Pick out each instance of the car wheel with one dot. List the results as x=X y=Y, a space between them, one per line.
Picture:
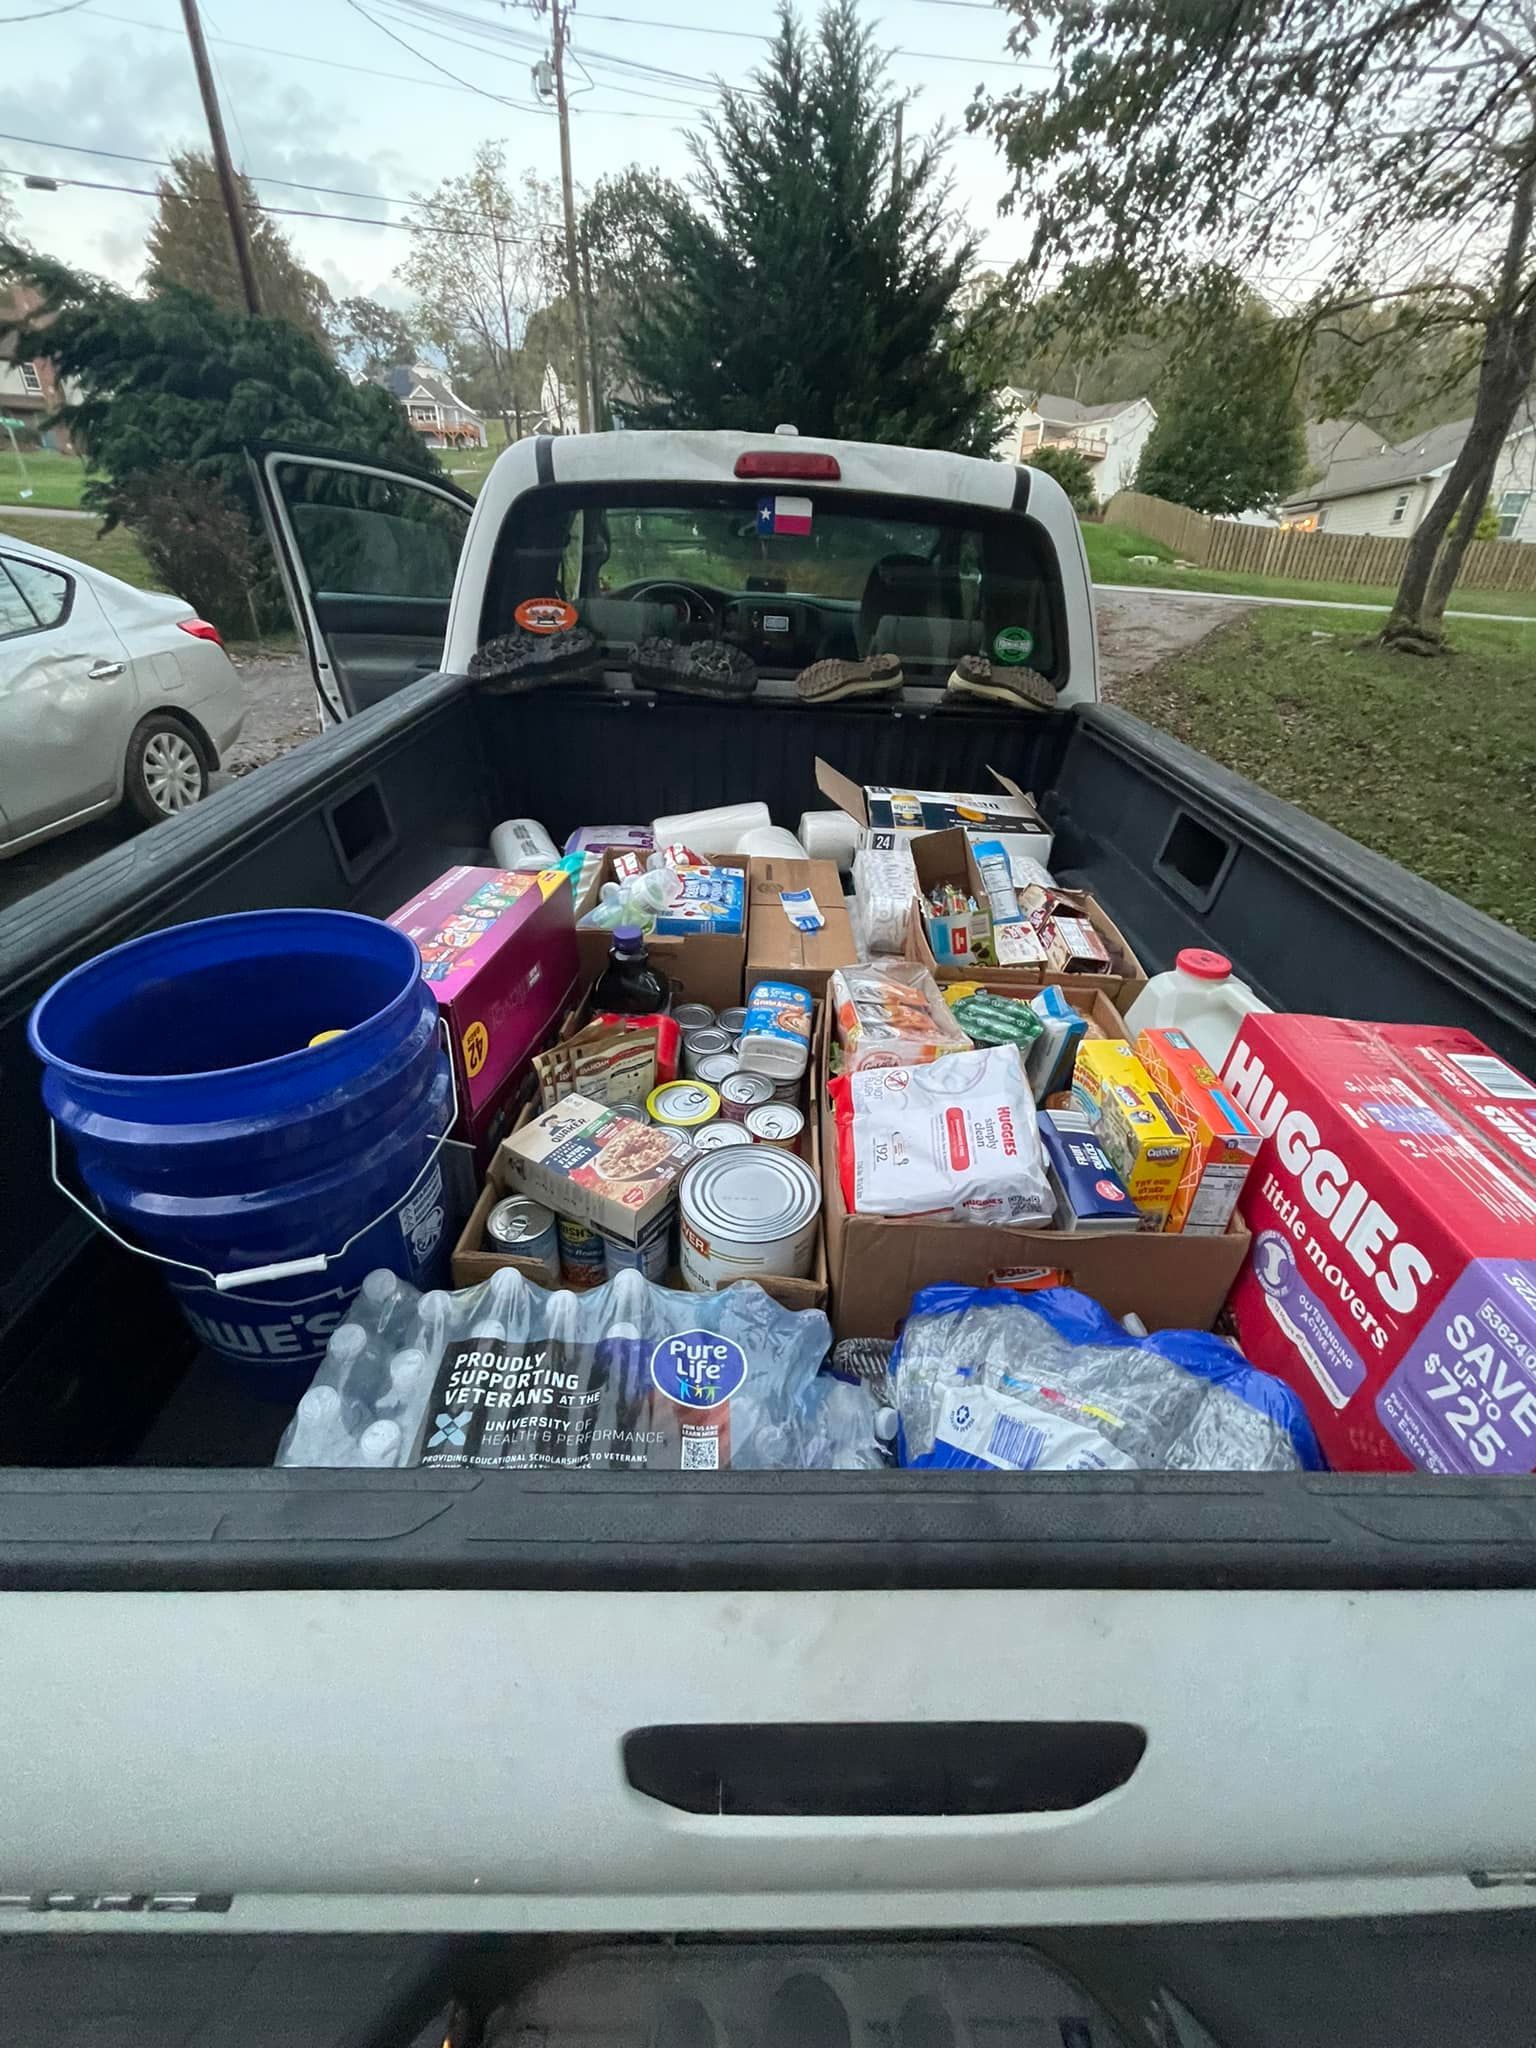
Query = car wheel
x=166 y=771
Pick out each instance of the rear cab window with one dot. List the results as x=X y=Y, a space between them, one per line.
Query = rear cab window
x=839 y=575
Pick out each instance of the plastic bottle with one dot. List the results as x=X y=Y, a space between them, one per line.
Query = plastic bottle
x=629 y=985
x=1200 y=996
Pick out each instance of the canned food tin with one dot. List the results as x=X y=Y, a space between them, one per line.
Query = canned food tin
x=788 y=1091
x=527 y=1230
x=652 y=1256
x=732 y=1020
x=693 y=1017
x=776 y=1123
x=583 y=1263
x=682 y=1105
x=702 y=1044
x=714 y=1067
x=716 y=1136
x=744 y=1213
x=741 y=1092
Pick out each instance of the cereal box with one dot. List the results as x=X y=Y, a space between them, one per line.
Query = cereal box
x=1223 y=1144
x=586 y=1160
x=1133 y=1123
x=1392 y=1280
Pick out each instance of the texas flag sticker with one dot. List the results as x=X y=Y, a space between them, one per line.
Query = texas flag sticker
x=783 y=515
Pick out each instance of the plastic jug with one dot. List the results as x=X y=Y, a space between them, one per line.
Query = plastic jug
x=1199 y=996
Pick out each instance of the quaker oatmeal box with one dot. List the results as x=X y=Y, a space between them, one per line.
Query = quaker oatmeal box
x=584 y=1159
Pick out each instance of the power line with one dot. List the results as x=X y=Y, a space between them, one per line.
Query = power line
x=383 y=28
x=45 y=14
x=761 y=36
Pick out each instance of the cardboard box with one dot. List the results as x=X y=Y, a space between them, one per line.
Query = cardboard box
x=1393 y=1206
x=498 y=951
x=1006 y=812
x=877 y=1263
x=776 y=949
x=704 y=967
x=1146 y=1144
x=585 y=1160
x=472 y=1263
x=1122 y=985
x=1223 y=1144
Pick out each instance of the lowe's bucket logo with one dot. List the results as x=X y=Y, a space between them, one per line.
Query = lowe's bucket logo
x=698 y=1368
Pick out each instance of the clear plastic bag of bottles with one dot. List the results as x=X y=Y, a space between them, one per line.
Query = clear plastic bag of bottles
x=629 y=1376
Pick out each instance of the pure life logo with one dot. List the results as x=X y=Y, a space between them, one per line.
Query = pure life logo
x=698 y=1368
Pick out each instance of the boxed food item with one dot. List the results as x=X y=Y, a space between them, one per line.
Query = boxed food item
x=587 y=1160
x=1066 y=935
x=713 y=900
x=1393 y=1205
x=1089 y=1194
x=890 y=1014
x=877 y=1263
x=779 y=949
x=1223 y=1144
x=704 y=966
x=1004 y=813
x=499 y=952
x=1133 y=1123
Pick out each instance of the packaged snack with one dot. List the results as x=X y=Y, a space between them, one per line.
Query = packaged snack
x=1133 y=1123
x=712 y=900
x=954 y=1138
x=1223 y=1143
x=1018 y=945
x=990 y=1019
x=1072 y=946
x=1002 y=898
x=603 y=1062
x=669 y=1039
x=890 y=1014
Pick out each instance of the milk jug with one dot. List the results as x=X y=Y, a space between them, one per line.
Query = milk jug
x=1201 y=997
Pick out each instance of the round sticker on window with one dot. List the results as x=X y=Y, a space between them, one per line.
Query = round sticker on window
x=1013 y=646
x=545 y=615
x=698 y=1368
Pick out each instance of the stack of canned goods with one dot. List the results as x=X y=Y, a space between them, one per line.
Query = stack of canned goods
x=766 y=1110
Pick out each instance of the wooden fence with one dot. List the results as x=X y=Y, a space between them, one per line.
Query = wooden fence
x=1309 y=557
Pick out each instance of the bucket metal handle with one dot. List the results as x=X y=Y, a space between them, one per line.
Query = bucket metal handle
x=281 y=1269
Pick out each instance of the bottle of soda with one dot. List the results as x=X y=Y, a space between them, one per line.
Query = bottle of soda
x=629 y=985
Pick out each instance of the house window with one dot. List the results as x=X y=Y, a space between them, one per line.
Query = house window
x=30 y=381
x=1511 y=510
x=1399 y=508
x=1322 y=519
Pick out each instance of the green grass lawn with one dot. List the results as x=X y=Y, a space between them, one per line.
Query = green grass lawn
x=1111 y=547
x=1430 y=762
x=54 y=480
x=117 y=552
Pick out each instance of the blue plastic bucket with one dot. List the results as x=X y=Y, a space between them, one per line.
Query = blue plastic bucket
x=212 y=1134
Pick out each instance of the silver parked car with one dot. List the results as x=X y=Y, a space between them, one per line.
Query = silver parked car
x=108 y=695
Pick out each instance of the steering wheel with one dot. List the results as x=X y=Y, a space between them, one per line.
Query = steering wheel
x=696 y=606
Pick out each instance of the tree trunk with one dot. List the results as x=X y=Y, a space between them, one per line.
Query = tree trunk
x=1504 y=377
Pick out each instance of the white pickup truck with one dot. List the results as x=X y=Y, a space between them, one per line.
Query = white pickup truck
x=246 y=1701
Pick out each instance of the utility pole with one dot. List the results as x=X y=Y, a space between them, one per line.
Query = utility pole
x=901 y=109
x=589 y=310
x=572 y=273
x=238 y=234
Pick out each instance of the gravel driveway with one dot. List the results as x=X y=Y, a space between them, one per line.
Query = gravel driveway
x=1140 y=628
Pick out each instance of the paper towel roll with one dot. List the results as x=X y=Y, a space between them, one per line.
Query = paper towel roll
x=771 y=842
x=829 y=835
x=716 y=831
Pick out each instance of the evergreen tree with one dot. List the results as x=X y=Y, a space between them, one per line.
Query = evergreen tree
x=1229 y=433
x=817 y=279
x=1071 y=471
x=189 y=245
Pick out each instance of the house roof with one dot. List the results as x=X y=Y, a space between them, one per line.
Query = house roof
x=1066 y=412
x=1330 y=442
x=408 y=380
x=1424 y=455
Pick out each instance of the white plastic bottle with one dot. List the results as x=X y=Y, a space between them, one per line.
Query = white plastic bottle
x=1200 y=996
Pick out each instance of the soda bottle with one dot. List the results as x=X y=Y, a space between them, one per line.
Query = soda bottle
x=629 y=985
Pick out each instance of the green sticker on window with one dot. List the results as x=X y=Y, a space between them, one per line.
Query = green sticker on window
x=1013 y=646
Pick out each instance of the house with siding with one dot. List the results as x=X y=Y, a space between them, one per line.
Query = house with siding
x=29 y=389
x=1110 y=437
x=434 y=408
x=1389 y=489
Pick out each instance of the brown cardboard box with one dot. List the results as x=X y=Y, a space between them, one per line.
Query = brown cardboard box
x=705 y=967
x=877 y=1263
x=1121 y=985
x=472 y=1263
x=776 y=949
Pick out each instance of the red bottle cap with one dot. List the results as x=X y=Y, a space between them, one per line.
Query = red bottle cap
x=1204 y=966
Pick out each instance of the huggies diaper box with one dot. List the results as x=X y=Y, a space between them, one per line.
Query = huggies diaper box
x=1392 y=1280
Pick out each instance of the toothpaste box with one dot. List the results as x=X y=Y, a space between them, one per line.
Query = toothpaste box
x=499 y=952
x=1392 y=1280
x=1223 y=1144
x=1133 y=1123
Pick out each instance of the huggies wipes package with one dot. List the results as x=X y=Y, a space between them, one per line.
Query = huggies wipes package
x=955 y=1137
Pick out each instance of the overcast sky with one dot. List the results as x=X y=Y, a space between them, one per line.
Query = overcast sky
x=321 y=93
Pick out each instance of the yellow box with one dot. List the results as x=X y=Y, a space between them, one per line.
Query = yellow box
x=1146 y=1144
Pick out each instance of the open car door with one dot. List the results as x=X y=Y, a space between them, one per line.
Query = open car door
x=368 y=555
